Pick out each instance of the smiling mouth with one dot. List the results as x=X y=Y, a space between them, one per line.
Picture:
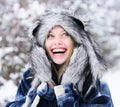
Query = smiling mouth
x=59 y=50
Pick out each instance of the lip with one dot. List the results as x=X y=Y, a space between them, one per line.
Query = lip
x=59 y=51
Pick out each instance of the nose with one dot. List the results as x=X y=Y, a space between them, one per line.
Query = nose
x=58 y=41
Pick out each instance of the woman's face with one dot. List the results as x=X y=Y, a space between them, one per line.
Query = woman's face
x=59 y=45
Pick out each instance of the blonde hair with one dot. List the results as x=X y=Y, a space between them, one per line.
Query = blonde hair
x=63 y=67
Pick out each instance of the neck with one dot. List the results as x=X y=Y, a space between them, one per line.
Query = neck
x=60 y=68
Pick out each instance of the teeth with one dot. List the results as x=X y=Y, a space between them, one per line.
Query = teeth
x=58 y=50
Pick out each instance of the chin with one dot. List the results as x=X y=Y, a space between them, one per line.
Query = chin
x=60 y=62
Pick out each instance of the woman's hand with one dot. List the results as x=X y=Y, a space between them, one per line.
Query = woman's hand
x=66 y=95
x=45 y=90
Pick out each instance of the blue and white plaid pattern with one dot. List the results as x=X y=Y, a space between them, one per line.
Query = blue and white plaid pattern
x=70 y=97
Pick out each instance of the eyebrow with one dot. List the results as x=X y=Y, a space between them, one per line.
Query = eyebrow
x=63 y=31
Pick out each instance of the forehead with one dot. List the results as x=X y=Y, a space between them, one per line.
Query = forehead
x=57 y=28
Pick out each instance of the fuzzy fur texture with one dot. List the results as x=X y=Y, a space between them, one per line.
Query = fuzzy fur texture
x=41 y=65
x=86 y=53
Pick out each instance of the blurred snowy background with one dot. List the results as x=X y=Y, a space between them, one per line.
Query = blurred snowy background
x=15 y=17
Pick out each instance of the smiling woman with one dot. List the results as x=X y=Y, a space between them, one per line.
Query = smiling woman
x=66 y=66
x=59 y=45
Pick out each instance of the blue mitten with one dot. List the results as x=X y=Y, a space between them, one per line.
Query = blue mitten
x=64 y=95
x=45 y=91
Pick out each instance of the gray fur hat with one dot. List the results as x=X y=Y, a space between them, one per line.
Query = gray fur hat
x=92 y=56
x=53 y=17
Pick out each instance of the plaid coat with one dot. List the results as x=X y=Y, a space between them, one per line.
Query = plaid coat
x=99 y=96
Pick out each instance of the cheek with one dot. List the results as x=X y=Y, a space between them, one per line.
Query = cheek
x=70 y=43
x=71 y=46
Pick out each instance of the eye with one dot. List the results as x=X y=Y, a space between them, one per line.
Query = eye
x=50 y=36
x=65 y=34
